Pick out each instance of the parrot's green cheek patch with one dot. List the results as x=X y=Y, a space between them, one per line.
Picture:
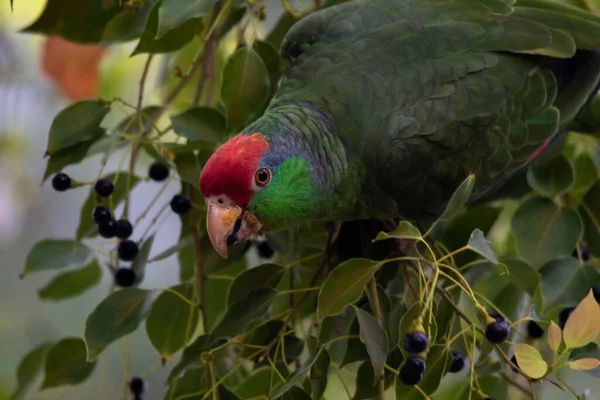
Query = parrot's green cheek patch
x=289 y=198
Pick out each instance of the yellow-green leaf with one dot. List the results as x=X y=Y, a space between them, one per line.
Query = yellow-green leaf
x=404 y=230
x=584 y=364
x=583 y=325
x=459 y=197
x=554 y=336
x=530 y=361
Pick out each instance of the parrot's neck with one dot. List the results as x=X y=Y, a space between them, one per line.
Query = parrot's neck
x=303 y=130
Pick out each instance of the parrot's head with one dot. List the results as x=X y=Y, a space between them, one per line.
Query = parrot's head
x=250 y=186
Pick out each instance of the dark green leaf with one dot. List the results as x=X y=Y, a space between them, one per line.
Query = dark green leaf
x=551 y=177
x=121 y=181
x=132 y=124
x=459 y=197
x=344 y=285
x=257 y=383
x=438 y=361
x=333 y=327
x=116 y=316
x=242 y=313
x=75 y=21
x=66 y=364
x=127 y=25
x=174 y=13
x=479 y=244
x=245 y=87
x=200 y=123
x=274 y=64
x=55 y=254
x=29 y=369
x=188 y=168
x=216 y=292
x=190 y=386
x=266 y=275
x=172 y=321
x=77 y=123
x=318 y=375
x=544 y=231
x=276 y=35
x=374 y=338
x=367 y=383
x=404 y=230
x=294 y=378
x=190 y=357
x=585 y=172
x=296 y=393
x=72 y=283
x=589 y=210
x=522 y=275
x=140 y=261
x=171 y=41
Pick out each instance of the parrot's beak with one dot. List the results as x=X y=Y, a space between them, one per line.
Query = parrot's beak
x=227 y=224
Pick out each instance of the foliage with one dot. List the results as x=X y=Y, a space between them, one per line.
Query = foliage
x=286 y=327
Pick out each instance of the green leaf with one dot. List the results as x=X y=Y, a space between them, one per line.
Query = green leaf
x=522 y=275
x=79 y=22
x=29 y=369
x=564 y=283
x=188 y=168
x=278 y=32
x=344 y=285
x=438 y=362
x=479 y=244
x=200 y=123
x=169 y=42
x=273 y=63
x=318 y=375
x=333 y=327
x=551 y=177
x=87 y=226
x=294 y=378
x=217 y=292
x=266 y=275
x=191 y=385
x=131 y=124
x=174 y=13
x=257 y=384
x=459 y=197
x=242 y=313
x=589 y=210
x=583 y=325
x=245 y=87
x=296 y=393
x=172 y=322
x=66 y=364
x=544 y=231
x=141 y=260
x=374 y=338
x=169 y=251
x=190 y=357
x=585 y=172
x=116 y=316
x=127 y=26
x=72 y=283
x=530 y=361
x=55 y=254
x=367 y=383
x=77 y=123
x=404 y=230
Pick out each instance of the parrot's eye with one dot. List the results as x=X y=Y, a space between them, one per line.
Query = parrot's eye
x=262 y=177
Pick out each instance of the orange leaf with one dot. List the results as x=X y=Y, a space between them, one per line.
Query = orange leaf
x=583 y=325
x=584 y=364
x=530 y=361
x=73 y=67
x=554 y=336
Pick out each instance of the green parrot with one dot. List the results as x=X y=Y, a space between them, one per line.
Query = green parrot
x=388 y=105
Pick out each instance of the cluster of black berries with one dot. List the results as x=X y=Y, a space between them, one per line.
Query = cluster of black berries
x=414 y=366
x=137 y=387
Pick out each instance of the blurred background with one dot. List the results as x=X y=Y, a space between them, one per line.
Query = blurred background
x=36 y=81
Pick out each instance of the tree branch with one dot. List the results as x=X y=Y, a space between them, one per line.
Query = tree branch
x=200 y=277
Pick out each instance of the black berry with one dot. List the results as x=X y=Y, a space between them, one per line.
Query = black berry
x=409 y=379
x=108 y=229
x=124 y=229
x=158 y=171
x=264 y=249
x=415 y=342
x=125 y=277
x=61 y=182
x=534 y=331
x=497 y=332
x=513 y=359
x=458 y=362
x=101 y=215
x=127 y=250
x=563 y=316
x=415 y=365
x=137 y=386
x=104 y=187
x=585 y=253
x=180 y=204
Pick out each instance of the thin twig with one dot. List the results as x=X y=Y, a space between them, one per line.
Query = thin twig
x=143 y=84
x=207 y=67
x=200 y=277
x=376 y=308
x=516 y=384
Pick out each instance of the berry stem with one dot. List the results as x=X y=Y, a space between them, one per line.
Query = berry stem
x=376 y=308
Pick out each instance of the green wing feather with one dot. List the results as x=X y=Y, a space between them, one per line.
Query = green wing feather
x=423 y=92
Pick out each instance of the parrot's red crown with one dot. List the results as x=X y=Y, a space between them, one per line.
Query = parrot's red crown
x=230 y=170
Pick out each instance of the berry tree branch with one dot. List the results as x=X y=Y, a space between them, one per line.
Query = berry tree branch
x=200 y=277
